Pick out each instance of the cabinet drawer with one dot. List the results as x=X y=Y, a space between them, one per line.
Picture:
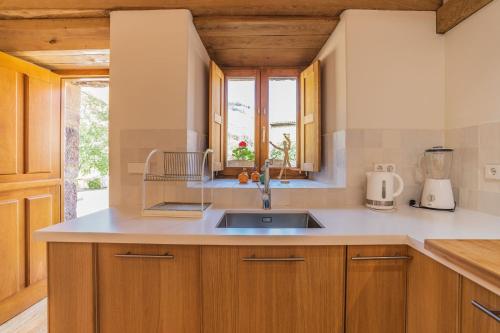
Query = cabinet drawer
x=273 y=289
x=149 y=288
x=480 y=309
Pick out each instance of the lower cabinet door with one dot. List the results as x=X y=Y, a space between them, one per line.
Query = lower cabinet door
x=480 y=309
x=376 y=289
x=149 y=288
x=433 y=297
x=273 y=289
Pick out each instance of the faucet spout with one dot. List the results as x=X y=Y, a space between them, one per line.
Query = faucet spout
x=266 y=191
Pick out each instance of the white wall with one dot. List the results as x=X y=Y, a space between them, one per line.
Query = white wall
x=395 y=70
x=332 y=58
x=473 y=69
x=158 y=91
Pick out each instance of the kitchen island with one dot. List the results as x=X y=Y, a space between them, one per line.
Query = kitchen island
x=116 y=271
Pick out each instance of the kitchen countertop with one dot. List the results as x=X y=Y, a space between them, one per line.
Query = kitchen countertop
x=346 y=226
x=479 y=256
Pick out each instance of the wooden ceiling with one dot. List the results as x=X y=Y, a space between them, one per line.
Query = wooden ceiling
x=72 y=34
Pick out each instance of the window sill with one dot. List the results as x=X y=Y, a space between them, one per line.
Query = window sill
x=275 y=184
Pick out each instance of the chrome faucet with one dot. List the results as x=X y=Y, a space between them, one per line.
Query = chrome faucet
x=266 y=191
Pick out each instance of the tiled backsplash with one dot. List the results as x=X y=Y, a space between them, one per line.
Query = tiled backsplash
x=347 y=156
x=366 y=147
x=475 y=147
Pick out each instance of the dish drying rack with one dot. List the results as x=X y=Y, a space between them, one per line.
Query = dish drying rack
x=175 y=178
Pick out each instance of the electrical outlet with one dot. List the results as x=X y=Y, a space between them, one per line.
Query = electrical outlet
x=492 y=171
x=389 y=167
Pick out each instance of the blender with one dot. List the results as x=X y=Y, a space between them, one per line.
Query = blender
x=437 y=192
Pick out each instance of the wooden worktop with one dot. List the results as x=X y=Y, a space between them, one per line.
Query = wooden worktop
x=480 y=257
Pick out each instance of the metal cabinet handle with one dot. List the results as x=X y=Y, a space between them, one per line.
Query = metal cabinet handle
x=148 y=256
x=291 y=258
x=381 y=258
x=493 y=314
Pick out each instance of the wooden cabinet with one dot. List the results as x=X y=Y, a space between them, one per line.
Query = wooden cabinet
x=273 y=289
x=376 y=289
x=72 y=306
x=479 y=308
x=149 y=288
x=433 y=296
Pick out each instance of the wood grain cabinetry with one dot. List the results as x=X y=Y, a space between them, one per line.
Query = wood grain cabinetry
x=479 y=309
x=10 y=279
x=72 y=306
x=273 y=289
x=376 y=289
x=433 y=296
x=149 y=288
x=30 y=178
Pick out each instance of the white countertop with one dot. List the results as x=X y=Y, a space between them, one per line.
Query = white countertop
x=349 y=226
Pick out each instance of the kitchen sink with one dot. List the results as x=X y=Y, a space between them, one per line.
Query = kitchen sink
x=268 y=220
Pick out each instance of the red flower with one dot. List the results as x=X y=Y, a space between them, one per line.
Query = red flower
x=242 y=144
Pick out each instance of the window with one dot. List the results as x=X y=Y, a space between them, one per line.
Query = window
x=254 y=114
x=261 y=109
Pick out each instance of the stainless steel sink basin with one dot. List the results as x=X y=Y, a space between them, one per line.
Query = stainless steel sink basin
x=268 y=220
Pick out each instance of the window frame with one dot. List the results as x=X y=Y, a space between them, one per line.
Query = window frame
x=261 y=76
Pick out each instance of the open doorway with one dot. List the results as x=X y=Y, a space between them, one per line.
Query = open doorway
x=86 y=160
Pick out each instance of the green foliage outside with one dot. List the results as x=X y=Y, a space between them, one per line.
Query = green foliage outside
x=243 y=154
x=94 y=184
x=93 y=139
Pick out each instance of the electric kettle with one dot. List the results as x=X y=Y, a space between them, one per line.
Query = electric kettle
x=380 y=191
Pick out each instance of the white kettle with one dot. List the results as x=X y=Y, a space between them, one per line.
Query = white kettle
x=380 y=191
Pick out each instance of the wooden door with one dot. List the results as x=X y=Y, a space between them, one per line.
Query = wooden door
x=10 y=130
x=216 y=116
x=38 y=125
x=310 y=118
x=273 y=289
x=376 y=289
x=9 y=248
x=30 y=176
x=151 y=288
x=433 y=296
x=480 y=309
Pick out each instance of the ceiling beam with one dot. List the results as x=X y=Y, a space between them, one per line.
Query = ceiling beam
x=227 y=26
x=455 y=11
x=54 y=34
x=224 y=7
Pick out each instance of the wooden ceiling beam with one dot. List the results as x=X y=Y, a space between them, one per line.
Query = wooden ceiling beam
x=225 y=7
x=54 y=34
x=226 y=26
x=455 y=11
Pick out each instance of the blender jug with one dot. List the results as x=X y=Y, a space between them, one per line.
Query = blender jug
x=437 y=192
x=437 y=162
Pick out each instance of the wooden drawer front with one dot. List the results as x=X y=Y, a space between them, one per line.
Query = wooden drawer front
x=149 y=288
x=474 y=319
x=376 y=289
x=273 y=289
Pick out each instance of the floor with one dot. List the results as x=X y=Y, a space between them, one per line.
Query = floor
x=32 y=320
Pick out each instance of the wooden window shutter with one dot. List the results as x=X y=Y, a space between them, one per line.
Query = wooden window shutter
x=310 y=118
x=216 y=116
